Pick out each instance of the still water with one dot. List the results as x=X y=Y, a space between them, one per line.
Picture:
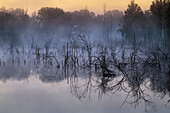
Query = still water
x=38 y=82
x=31 y=95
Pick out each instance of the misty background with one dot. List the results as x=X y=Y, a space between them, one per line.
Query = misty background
x=17 y=28
x=117 y=51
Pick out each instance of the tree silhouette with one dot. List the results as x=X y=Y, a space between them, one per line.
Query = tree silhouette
x=159 y=9
x=132 y=20
x=12 y=23
x=50 y=16
x=168 y=24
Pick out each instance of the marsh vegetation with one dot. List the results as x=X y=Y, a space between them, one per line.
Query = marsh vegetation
x=97 y=55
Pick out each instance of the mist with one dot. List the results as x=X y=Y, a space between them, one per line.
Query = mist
x=96 y=55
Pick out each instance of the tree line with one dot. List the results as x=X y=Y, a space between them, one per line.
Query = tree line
x=153 y=24
x=48 y=20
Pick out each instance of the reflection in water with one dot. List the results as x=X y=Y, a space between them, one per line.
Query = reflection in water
x=108 y=73
x=35 y=96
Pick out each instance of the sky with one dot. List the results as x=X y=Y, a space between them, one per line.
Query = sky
x=71 y=5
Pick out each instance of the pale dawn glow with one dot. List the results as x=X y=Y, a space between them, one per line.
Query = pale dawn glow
x=71 y=5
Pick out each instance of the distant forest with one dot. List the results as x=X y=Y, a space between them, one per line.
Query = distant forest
x=18 y=27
